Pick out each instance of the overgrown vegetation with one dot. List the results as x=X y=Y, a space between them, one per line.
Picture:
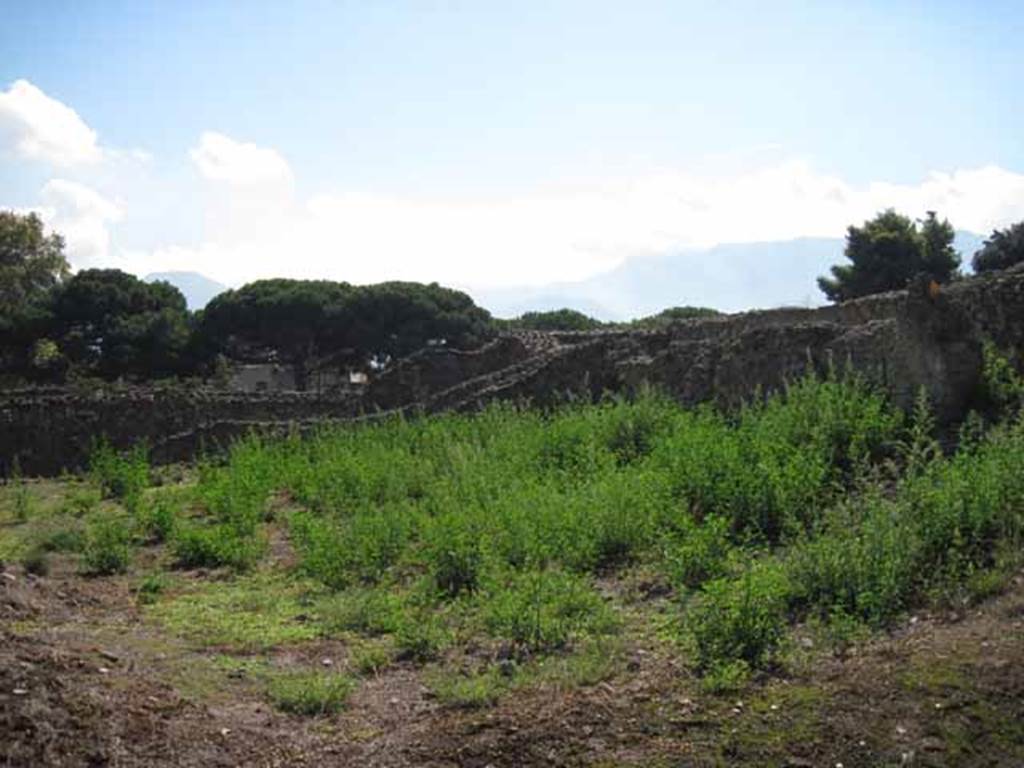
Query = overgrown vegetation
x=498 y=532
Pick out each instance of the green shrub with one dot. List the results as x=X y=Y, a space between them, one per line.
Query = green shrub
x=543 y=610
x=740 y=619
x=420 y=636
x=699 y=552
x=151 y=586
x=158 y=519
x=107 y=547
x=212 y=546
x=120 y=476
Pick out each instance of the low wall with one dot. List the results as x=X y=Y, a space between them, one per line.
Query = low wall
x=905 y=340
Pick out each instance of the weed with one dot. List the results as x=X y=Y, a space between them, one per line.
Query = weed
x=471 y=691
x=107 y=547
x=370 y=659
x=741 y=619
x=150 y=588
x=544 y=610
x=309 y=693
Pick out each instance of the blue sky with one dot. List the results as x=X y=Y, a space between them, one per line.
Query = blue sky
x=497 y=143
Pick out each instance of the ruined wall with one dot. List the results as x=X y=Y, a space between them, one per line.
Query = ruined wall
x=52 y=429
x=904 y=340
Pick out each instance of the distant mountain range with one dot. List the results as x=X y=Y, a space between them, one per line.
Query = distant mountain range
x=198 y=289
x=729 y=277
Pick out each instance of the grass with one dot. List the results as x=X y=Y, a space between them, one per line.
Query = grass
x=250 y=613
x=508 y=529
x=309 y=693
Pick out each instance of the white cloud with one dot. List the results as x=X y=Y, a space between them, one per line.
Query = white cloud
x=557 y=232
x=223 y=159
x=83 y=216
x=39 y=127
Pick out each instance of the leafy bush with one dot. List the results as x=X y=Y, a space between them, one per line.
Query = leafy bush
x=543 y=610
x=159 y=519
x=107 y=547
x=700 y=551
x=740 y=619
x=120 y=476
x=211 y=546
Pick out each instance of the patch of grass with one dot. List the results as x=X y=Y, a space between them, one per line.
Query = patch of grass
x=591 y=662
x=309 y=693
x=249 y=613
x=151 y=587
x=368 y=610
x=467 y=691
x=371 y=658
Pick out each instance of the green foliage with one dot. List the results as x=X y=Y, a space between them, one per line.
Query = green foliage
x=158 y=519
x=554 y=320
x=544 y=610
x=369 y=611
x=36 y=561
x=699 y=551
x=420 y=635
x=672 y=315
x=472 y=691
x=310 y=693
x=740 y=619
x=108 y=546
x=111 y=324
x=304 y=319
x=889 y=250
x=819 y=503
x=120 y=476
x=1002 y=249
x=32 y=265
x=1003 y=386
x=151 y=587
x=31 y=262
x=212 y=546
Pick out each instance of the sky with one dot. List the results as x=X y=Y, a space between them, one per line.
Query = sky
x=487 y=145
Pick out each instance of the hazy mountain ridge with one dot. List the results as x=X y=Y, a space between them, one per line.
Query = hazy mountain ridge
x=730 y=277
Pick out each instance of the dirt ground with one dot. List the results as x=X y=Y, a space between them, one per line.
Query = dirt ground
x=86 y=679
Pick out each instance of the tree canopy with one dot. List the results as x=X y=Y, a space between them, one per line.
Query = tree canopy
x=31 y=262
x=111 y=323
x=1002 y=249
x=889 y=250
x=564 y=319
x=304 y=319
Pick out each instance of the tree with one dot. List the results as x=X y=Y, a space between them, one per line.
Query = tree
x=564 y=319
x=31 y=263
x=291 y=319
x=674 y=314
x=1002 y=249
x=111 y=323
x=302 y=320
x=889 y=250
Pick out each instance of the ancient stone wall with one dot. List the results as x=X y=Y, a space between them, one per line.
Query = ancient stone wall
x=904 y=340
